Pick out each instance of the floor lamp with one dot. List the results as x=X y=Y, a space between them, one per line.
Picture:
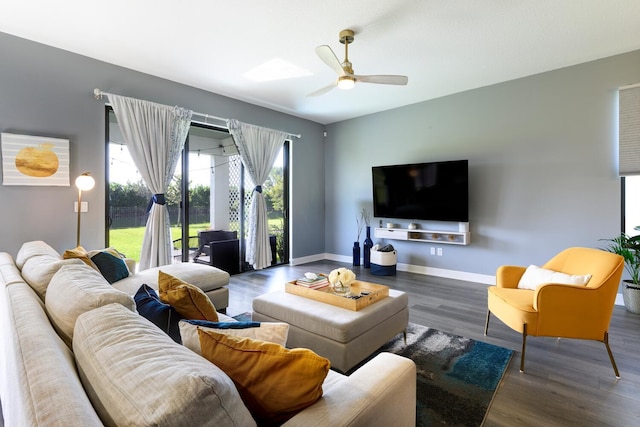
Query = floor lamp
x=84 y=182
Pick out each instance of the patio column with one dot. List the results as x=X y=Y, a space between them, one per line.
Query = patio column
x=219 y=207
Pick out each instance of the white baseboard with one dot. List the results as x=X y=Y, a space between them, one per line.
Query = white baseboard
x=619 y=300
x=449 y=274
x=310 y=258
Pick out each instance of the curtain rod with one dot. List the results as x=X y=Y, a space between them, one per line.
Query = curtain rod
x=97 y=93
x=629 y=86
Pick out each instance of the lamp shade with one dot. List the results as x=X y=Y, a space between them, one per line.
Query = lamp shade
x=85 y=182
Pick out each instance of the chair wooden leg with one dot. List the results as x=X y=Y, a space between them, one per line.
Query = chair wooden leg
x=486 y=325
x=613 y=362
x=524 y=345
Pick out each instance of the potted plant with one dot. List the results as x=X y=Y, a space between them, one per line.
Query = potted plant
x=629 y=248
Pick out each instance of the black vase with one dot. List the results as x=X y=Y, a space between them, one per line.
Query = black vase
x=356 y=254
x=368 y=244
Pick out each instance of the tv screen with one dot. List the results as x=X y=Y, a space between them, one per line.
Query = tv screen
x=437 y=191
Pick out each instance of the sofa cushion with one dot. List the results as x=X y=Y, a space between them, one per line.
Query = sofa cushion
x=160 y=314
x=535 y=276
x=275 y=383
x=189 y=300
x=135 y=375
x=39 y=381
x=274 y=332
x=75 y=289
x=34 y=248
x=38 y=270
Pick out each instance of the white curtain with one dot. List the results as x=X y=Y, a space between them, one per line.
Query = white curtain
x=155 y=136
x=258 y=148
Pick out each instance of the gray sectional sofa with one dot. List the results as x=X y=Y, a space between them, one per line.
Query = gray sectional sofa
x=74 y=351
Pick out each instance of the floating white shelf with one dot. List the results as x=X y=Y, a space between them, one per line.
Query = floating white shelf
x=431 y=236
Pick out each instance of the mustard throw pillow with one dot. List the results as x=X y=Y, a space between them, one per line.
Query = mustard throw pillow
x=81 y=254
x=188 y=300
x=274 y=382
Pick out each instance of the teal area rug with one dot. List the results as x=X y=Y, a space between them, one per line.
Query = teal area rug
x=456 y=377
x=243 y=317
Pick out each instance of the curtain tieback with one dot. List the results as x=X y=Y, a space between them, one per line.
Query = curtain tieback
x=157 y=199
x=258 y=188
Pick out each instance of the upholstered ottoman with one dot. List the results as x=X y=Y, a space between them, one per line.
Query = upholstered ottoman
x=211 y=280
x=343 y=336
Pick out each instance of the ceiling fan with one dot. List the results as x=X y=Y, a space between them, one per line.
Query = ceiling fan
x=346 y=78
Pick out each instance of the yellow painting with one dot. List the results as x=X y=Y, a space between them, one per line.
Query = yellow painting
x=34 y=160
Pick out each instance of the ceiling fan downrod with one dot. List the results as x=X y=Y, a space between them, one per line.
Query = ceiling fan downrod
x=348 y=81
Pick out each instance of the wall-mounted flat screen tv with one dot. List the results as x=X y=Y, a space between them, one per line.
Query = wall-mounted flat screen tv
x=437 y=191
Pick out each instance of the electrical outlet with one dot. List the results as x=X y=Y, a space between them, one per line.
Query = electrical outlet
x=433 y=251
x=439 y=251
x=84 y=206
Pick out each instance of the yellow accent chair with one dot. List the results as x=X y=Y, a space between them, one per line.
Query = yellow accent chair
x=560 y=310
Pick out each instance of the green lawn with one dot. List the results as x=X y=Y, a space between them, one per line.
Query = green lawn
x=129 y=240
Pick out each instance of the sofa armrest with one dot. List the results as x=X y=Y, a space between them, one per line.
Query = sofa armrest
x=131 y=264
x=382 y=392
x=572 y=311
x=508 y=276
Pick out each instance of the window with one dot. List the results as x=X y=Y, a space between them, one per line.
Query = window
x=631 y=204
x=629 y=156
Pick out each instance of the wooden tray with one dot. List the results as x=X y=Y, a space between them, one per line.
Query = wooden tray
x=326 y=295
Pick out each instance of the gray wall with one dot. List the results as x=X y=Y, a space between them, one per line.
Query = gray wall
x=49 y=92
x=542 y=154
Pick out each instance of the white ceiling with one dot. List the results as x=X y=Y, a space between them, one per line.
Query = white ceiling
x=444 y=46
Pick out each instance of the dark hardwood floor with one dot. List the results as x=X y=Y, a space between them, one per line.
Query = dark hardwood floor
x=566 y=383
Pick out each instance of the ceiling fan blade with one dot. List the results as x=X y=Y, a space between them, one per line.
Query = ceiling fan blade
x=383 y=79
x=323 y=90
x=327 y=56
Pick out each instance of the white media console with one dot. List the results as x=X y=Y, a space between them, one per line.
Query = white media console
x=460 y=237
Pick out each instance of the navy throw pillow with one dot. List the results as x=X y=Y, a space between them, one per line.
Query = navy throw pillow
x=160 y=314
x=223 y=325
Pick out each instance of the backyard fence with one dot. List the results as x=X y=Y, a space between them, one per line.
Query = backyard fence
x=130 y=217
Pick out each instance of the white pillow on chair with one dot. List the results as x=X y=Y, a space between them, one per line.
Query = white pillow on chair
x=535 y=276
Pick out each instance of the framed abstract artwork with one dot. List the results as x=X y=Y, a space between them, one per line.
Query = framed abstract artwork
x=34 y=160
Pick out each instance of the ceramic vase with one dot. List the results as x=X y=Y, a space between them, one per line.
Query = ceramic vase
x=368 y=244
x=356 y=254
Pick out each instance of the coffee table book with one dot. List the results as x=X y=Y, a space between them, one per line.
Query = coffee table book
x=326 y=295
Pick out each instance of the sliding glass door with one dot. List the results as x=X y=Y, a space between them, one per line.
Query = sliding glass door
x=209 y=190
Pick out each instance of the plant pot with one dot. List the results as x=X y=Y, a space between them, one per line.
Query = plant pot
x=631 y=297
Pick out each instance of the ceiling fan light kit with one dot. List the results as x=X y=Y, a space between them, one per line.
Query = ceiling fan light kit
x=346 y=77
x=346 y=82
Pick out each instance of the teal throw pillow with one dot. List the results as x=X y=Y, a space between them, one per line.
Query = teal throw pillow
x=110 y=263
